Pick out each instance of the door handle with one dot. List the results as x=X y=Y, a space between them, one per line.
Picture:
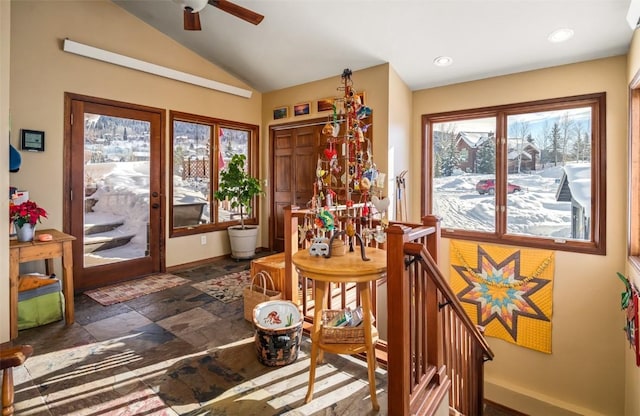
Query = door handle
x=155 y=205
x=154 y=194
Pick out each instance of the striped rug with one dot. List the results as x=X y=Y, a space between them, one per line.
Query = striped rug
x=122 y=292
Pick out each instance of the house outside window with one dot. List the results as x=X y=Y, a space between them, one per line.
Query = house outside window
x=529 y=174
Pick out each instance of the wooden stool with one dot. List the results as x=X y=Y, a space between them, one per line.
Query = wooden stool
x=9 y=358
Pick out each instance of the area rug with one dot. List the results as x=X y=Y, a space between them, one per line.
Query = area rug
x=506 y=290
x=227 y=288
x=123 y=292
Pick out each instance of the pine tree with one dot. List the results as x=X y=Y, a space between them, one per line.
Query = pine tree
x=486 y=157
x=582 y=148
x=554 y=147
x=450 y=160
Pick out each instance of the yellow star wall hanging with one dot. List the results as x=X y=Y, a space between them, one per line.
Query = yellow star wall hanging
x=508 y=291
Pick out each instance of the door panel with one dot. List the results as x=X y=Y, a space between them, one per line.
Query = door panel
x=307 y=140
x=114 y=178
x=295 y=155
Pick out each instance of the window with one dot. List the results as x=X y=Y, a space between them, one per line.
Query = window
x=634 y=173
x=202 y=146
x=527 y=174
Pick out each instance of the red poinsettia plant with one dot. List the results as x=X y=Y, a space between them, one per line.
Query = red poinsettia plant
x=27 y=212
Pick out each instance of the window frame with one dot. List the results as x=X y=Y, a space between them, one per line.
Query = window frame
x=597 y=242
x=253 y=161
x=633 y=244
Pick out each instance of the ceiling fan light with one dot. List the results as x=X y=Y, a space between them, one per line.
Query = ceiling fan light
x=195 y=5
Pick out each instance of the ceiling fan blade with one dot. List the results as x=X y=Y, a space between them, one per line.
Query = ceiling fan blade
x=191 y=19
x=237 y=11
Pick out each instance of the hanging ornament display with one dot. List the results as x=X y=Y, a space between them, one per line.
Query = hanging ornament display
x=347 y=177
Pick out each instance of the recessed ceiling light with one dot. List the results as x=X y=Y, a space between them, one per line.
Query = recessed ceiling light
x=442 y=61
x=560 y=35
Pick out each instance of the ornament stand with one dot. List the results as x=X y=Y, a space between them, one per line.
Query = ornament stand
x=347 y=179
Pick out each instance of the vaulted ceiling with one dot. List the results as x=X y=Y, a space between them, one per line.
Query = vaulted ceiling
x=305 y=40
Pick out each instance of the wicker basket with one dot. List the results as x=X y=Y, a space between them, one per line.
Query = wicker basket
x=341 y=334
x=256 y=293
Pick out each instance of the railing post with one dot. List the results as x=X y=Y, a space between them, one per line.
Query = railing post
x=398 y=333
x=433 y=239
x=435 y=350
x=290 y=248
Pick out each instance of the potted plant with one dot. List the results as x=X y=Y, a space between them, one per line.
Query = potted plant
x=24 y=217
x=237 y=186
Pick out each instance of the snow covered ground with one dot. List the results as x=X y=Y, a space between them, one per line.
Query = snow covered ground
x=534 y=211
x=123 y=195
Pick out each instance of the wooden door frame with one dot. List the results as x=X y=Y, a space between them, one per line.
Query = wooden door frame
x=158 y=171
x=272 y=131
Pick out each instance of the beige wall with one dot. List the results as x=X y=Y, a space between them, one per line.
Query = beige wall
x=5 y=37
x=585 y=372
x=632 y=372
x=401 y=147
x=41 y=72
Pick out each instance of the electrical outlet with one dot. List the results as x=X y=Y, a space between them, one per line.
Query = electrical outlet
x=203 y=239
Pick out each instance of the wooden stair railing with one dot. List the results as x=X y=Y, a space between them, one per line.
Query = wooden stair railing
x=433 y=346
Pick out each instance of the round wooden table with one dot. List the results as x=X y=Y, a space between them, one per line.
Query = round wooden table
x=349 y=268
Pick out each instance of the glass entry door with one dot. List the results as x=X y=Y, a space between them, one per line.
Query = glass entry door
x=116 y=199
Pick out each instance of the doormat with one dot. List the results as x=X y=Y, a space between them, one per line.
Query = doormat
x=227 y=288
x=123 y=292
x=508 y=291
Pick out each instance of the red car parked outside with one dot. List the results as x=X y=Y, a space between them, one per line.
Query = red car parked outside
x=488 y=186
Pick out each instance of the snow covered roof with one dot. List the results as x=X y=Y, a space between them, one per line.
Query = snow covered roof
x=514 y=142
x=577 y=176
x=473 y=138
x=513 y=155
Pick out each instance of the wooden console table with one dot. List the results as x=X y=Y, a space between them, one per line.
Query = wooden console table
x=22 y=252
x=343 y=269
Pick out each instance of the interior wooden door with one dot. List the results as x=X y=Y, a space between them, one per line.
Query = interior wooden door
x=113 y=179
x=295 y=152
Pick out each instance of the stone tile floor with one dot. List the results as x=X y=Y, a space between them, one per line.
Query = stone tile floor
x=174 y=352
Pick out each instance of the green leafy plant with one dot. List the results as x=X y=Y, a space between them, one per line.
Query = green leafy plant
x=237 y=186
x=626 y=295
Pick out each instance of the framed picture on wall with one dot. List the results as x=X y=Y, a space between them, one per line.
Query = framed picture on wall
x=301 y=109
x=326 y=104
x=32 y=140
x=280 y=112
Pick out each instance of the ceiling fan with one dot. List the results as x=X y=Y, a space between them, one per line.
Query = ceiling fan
x=192 y=10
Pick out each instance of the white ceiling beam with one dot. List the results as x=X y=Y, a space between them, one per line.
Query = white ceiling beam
x=132 y=63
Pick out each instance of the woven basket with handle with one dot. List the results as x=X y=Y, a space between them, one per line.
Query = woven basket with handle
x=258 y=292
